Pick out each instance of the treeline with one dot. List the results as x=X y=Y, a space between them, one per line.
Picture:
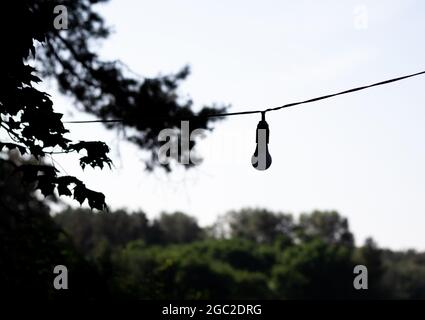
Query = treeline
x=246 y=254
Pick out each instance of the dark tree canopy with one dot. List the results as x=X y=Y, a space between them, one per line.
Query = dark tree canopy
x=32 y=244
x=163 y=259
x=177 y=227
x=101 y=88
x=259 y=225
x=326 y=225
x=107 y=89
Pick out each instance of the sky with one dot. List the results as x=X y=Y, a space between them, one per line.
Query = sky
x=361 y=154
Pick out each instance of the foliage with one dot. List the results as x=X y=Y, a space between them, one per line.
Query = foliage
x=32 y=244
x=328 y=226
x=314 y=270
x=108 y=90
x=119 y=255
x=92 y=231
x=403 y=274
x=176 y=227
x=27 y=114
x=128 y=256
x=257 y=225
x=185 y=271
x=155 y=263
x=101 y=88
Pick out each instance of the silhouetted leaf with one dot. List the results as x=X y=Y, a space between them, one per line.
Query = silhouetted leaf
x=46 y=185
x=96 y=200
x=96 y=154
x=64 y=183
x=80 y=193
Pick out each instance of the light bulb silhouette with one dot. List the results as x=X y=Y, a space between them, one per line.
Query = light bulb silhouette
x=261 y=159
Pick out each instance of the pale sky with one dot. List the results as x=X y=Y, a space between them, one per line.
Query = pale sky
x=361 y=154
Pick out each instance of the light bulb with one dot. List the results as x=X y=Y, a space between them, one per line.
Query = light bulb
x=261 y=159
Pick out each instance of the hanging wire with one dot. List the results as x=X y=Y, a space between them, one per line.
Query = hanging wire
x=271 y=109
